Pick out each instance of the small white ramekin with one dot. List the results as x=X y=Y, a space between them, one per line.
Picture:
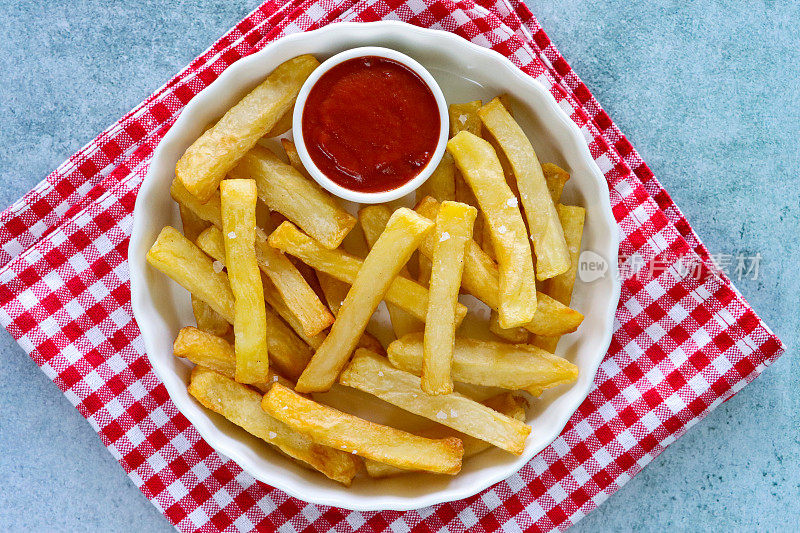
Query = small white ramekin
x=325 y=181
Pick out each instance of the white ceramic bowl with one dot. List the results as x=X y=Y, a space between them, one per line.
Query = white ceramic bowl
x=370 y=197
x=464 y=72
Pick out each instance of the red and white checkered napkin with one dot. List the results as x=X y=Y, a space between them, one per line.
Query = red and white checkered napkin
x=681 y=345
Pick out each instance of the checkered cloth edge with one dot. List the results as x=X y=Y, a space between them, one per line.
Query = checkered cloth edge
x=681 y=345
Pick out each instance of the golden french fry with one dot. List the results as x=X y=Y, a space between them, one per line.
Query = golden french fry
x=453 y=232
x=403 y=233
x=331 y=427
x=547 y=344
x=477 y=161
x=283 y=125
x=238 y=204
x=177 y=257
x=217 y=354
x=242 y=406
x=285 y=190
x=373 y=220
x=515 y=335
x=506 y=403
x=203 y=166
x=206 y=318
x=552 y=256
x=294 y=157
x=208 y=210
x=187 y=265
x=441 y=184
x=373 y=374
x=480 y=279
x=556 y=177
x=298 y=296
x=560 y=287
x=464 y=117
x=404 y=293
x=491 y=364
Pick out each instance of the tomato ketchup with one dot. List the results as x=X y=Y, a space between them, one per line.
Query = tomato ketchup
x=370 y=124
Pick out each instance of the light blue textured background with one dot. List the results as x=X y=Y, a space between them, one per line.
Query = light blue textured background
x=706 y=91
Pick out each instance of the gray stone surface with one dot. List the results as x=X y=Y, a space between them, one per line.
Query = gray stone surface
x=708 y=94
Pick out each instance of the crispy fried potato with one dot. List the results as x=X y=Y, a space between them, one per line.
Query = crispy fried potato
x=242 y=406
x=552 y=256
x=464 y=117
x=506 y=403
x=217 y=354
x=330 y=427
x=404 y=293
x=285 y=190
x=294 y=157
x=477 y=161
x=373 y=220
x=480 y=279
x=208 y=210
x=373 y=374
x=203 y=166
x=287 y=280
x=403 y=233
x=556 y=177
x=491 y=364
x=441 y=184
x=453 y=232
x=238 y=205
x=206 y=318
x=515 y=335
x=283 y=125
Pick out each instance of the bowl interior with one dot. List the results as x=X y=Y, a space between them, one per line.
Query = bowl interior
x=464 y=72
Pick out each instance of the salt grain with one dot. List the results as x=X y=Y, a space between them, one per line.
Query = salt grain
x=441 y=415
x=512 y=202
x=217 y=266
x=272 y=434
x=231 y=234
x=380 y=373
x=453 y=413
x=462 y=119
x=444 y=236
x=501 y=230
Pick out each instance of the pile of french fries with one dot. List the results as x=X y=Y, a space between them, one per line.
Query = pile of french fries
x=282 y=304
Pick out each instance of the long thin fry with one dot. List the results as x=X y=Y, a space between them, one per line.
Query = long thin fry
x=330 y=427
x=480 y=279
x=464 y=117
x=373 y=220
x=441 y=184
x=285 y=190
x=477 y=161
x=242 y=406
x=238 y=202
x=403 y=233
x=373 y=374
x=203 y=166
x=453 y=232
x=515 y=335
x=556 y=177
x=294 y=157
x=506 y=403
x=491 y=364
x=552 y=256
x=404 y=293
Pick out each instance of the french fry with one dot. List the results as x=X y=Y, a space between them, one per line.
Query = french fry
x=330 y=427
x=177 y=257
x=555 y=177
x=403 y=233
x=453 y=232
x=203 y=166
x=238 y=204
x=208 y=210
x=404 y=293
x=206 y=318
x=552 y=256
x=373 y=374
x=515 y=335
x=560 y=287
x=242 y=406
x=298 y=296
x=480 y=279
x=334 y=289
x=441 y=184
x=283 y=125
x=285 y=190
x=477 y=161
x=294 y=157
x=464 y=117
x=491 y=364
x=373 y=220
x=506 y=403
x=217 y=354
